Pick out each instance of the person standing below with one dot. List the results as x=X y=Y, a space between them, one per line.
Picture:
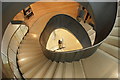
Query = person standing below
x=60 y=44
x=87 y=17
x=81 y=14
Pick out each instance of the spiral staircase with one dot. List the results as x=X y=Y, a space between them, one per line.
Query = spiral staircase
x=32 y=62
x=36 y=65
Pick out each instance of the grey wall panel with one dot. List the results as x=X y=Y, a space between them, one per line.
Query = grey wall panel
x=105 y=15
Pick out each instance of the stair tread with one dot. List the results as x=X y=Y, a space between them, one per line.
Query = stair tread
x=51 y=70
x=118 y=11
x=92 y=38
x=28 y=49
x=90 y=32
x=117 y=22
x=115 y=32
x=79 y=72
x=42 y=71
x=24 y=61
x=86 y=26
x=23 y=55
x=33 y=71
x=99 y=63
x=26 y=67
x=59 y=70
x=110 y=49
x=113 y=41
x=68 y=70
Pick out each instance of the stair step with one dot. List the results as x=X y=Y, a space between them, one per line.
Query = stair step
x=115 y=32
x=31 y=36
x=79 y=72
x=92 y=38
x=24 y=55
x=90 y=32
x=30 y=73
x=68 y=70
x=26 y=67
x=30 y=42
x=86 y=26
x=24 y=29
x=24 y=61
x=117 y=22
x=99 y=63
x=59 y=70
x=21 y=50
x=112 y=50
x=118 y=11
x=43 y=70
x=112 y=40
x=51 y=70
x=29 y=45
x=29 y=52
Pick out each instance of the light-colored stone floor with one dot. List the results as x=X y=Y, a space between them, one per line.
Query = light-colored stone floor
x=69 y=41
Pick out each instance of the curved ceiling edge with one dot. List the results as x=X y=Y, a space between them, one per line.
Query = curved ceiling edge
x=105 y=15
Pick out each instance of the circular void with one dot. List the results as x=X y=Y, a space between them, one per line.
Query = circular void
x=70 y=25
x=68 y=31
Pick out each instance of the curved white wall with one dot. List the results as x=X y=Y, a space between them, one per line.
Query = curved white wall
x=10 y=44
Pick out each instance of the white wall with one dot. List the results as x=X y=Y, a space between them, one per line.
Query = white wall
x=10 y=43
x=7 y=36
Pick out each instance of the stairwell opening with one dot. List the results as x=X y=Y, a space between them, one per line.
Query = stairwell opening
x=61 y=40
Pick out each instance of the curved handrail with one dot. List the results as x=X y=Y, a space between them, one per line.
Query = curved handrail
x=22 y=23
